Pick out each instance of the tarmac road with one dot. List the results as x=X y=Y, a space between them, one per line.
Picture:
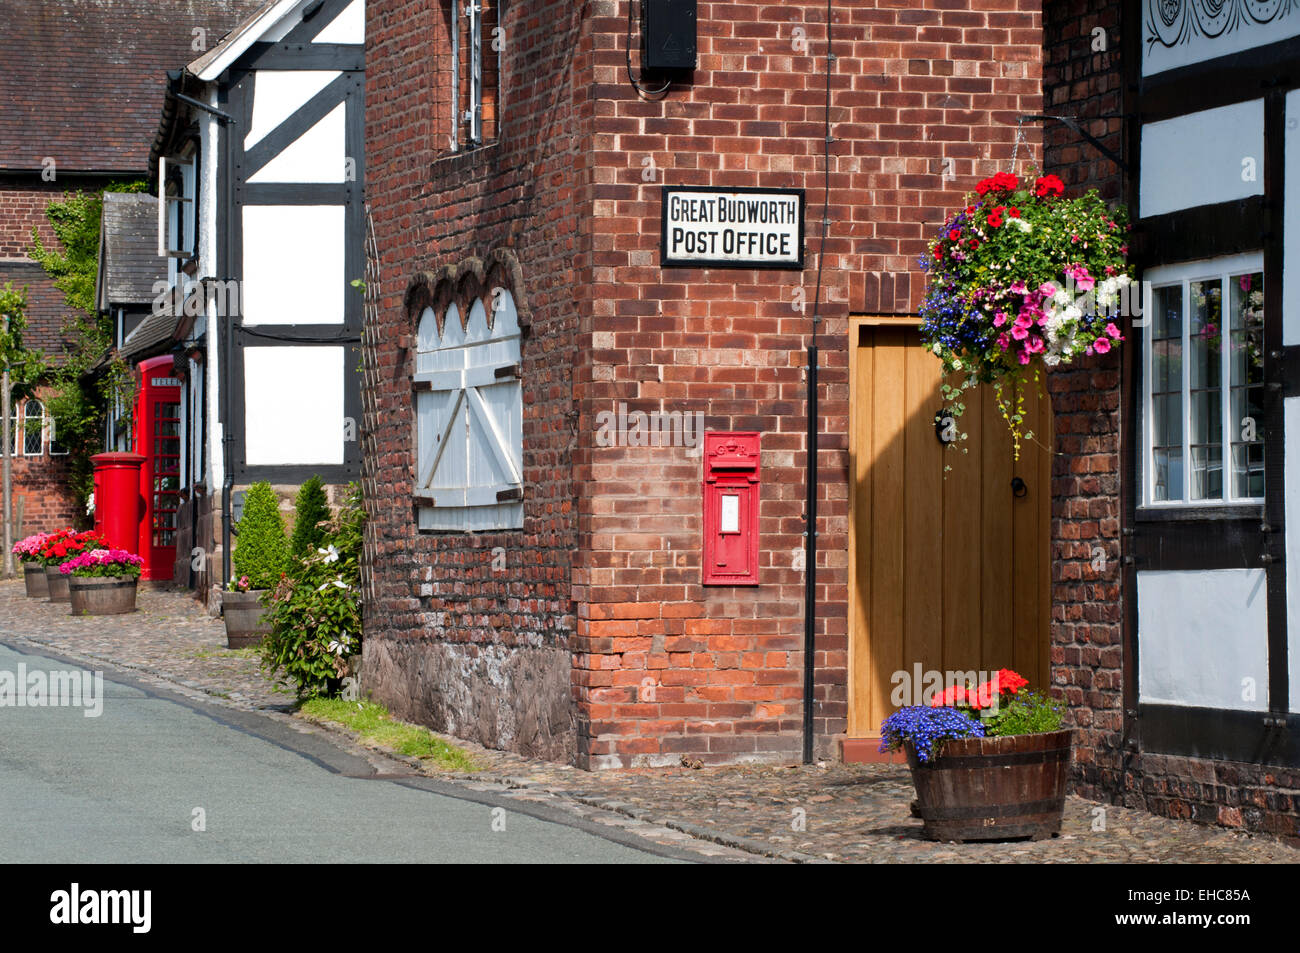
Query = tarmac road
x=132 y=784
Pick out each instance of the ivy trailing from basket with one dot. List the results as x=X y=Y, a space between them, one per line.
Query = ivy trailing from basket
x=1020 y=280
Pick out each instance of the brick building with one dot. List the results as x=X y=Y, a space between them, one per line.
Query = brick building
x=593 y=639
x=545 y=590
x=82 y=86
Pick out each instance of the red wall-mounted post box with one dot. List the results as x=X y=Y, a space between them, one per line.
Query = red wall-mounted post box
x=731 y=485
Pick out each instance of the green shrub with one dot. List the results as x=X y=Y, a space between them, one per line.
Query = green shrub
x=310 y=510
x=315 y=611
x=261 y=547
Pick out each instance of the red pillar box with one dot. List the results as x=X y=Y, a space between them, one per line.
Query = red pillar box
x=117 y=498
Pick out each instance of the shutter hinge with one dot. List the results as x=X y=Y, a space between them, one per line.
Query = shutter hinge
x=514 y=493
x=508 y=370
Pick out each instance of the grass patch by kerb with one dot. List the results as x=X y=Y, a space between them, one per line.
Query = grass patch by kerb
x=373 y=722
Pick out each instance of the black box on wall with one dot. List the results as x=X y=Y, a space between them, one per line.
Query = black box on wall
x=668 y=35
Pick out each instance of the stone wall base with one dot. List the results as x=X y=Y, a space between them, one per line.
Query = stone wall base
x=512 y=698
x=1261 y=799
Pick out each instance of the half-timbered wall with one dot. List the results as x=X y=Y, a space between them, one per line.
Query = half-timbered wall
x=293 y=168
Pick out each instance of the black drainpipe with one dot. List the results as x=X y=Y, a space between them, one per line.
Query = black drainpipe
x=810 y=562
x=810 y=478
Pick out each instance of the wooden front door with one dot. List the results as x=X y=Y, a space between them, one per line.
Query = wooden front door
x=948 y=570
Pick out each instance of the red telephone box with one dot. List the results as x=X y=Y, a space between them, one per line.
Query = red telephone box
x=731 y=483
x=158 y=440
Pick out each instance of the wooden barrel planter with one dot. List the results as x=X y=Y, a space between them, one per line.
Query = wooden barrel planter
x=101 y=595
x=243 y=612
x=57 y=584
x=38 y=586
x=993 y=788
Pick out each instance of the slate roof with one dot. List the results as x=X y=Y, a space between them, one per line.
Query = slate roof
x=129 y=262
x=82 y=81
x=147 y=339
x=46 y=308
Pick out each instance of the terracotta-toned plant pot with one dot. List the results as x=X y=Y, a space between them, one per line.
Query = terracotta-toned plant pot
x=102 y=595
x=993 y=788
x=38 y=586
x=57 y=583
x=243 y=612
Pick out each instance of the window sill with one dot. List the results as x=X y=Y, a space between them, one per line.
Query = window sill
x=1207 y=513
x=464 y=158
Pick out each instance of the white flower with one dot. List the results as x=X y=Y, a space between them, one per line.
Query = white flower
x=956 y=364
x=331 y=554
x=1021 y=224
x=1051 y=360
x=938 y=348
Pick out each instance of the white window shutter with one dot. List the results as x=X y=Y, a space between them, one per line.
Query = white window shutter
x=469 y=420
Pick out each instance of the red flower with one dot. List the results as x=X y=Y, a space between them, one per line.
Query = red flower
x=1049 y=185
x=1013 y=212
x=1009 y=681
x=1002 y=182
x=974 y=244
x=995 y=219
x=938 y=253
x=954 y=234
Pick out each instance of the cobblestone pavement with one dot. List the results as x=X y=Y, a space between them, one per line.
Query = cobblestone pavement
x=856 y=813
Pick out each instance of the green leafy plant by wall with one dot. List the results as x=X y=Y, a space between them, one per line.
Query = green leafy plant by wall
x=26 y=366
x=261 y=546
x=311 y=509
x=84 y=385
x=315 y=611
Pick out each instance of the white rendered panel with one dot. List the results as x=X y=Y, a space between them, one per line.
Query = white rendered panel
x=1291 y=213
x=293 y=264
x=293 y=405
x=1291 y=414
x=1203 y=158
x=278 y=94
x=348 y=27
x=1183 y=32
x=315 y=156
x=1203 y=638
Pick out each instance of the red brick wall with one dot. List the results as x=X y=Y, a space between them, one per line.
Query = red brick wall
x=40 y=481
x=664 y=666
x=449 y=641
x=1087 y=608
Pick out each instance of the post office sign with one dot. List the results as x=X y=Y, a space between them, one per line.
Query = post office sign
x=732 y=228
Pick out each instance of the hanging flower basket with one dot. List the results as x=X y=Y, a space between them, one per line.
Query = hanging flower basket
x=1020 y=280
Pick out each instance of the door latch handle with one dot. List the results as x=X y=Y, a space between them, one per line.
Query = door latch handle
x=1018 y=487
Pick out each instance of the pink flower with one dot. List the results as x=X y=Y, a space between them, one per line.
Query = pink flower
x=1101 y=345
x=999 y=319
x=1004 y=342
x=1024 y=357
x=1047 y=289
x=1113 y=331
x=1082 y=280
x=1019 y=333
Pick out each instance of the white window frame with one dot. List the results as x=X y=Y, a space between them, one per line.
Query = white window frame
x=472 y=117
x=44 y=424
x=1184 y=274
x=177 y=234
